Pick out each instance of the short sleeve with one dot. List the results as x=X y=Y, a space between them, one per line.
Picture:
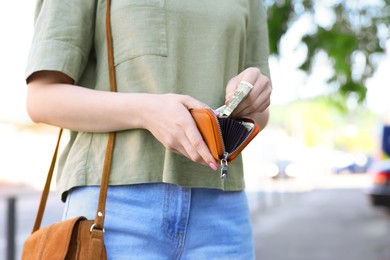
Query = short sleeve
x=63 y=36
x=257 y=42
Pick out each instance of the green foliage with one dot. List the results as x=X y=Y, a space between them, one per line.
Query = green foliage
x=279 y=15
x=358 y=31
x=317 y=124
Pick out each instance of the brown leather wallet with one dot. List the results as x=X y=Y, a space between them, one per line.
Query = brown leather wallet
x=226 y=137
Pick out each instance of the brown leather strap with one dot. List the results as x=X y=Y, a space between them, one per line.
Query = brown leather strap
x=45 y=192
x=96 y=248
x=110 y=49
x=100 y=213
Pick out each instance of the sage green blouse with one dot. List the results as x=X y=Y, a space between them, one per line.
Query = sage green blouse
x=190 y=47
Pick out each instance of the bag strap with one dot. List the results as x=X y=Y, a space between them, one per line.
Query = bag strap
x=45 y=192
x=100 y=213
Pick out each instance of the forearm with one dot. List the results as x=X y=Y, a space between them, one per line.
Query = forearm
x=53 y=99
x=81 y=109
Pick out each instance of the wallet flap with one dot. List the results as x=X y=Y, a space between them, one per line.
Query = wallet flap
x=207 y=124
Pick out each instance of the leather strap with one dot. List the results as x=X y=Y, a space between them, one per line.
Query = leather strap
x=100 y=213
x=110 y=49
x=45 y=192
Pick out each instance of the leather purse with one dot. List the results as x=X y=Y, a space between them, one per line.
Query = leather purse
x=76 y=238
x=226 y=137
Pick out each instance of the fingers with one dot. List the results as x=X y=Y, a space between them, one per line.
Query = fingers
x=259 y=97
x=187 y=140
x=177 y=130
x=231 y=88
x=250 y=75
x=197 y=149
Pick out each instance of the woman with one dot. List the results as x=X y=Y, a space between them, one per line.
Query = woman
x=164 y=201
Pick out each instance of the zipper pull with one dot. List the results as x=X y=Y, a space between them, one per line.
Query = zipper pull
x=224 y=166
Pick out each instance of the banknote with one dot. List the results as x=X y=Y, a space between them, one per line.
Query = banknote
x=241 y=92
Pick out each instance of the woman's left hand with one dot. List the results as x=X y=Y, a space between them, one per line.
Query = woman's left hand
x=256 y=104
x=258 y=98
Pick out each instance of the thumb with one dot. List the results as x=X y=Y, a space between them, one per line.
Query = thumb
x=192 y=103
x=231 y=88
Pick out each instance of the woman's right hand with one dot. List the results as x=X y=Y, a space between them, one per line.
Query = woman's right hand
x=168 y=118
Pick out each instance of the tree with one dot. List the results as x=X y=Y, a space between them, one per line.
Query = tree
x=353 y=40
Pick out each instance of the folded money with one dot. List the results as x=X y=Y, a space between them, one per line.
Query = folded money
x=241 y=92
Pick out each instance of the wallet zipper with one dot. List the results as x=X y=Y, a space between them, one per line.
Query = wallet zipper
x=224 y=160
x=224 y=165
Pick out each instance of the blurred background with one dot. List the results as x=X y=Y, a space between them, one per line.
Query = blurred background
x=318 y=177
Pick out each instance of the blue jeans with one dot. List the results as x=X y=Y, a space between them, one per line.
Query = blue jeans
x=165 y=221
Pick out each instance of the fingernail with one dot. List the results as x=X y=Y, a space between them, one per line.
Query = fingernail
x=216 y=112
x=213 y=166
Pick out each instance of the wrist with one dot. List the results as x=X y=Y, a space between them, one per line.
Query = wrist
x=141 y=109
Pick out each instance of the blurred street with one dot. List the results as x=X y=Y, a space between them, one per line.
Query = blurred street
x=331 y=222
x=327 y=224
x=27 y=201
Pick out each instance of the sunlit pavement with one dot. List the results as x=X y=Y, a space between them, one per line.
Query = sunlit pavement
x=294 y=219
x=329 y=222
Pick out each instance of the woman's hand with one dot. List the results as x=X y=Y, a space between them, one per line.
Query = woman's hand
x=168 y=118
x=256 y=104
x=53 y=99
